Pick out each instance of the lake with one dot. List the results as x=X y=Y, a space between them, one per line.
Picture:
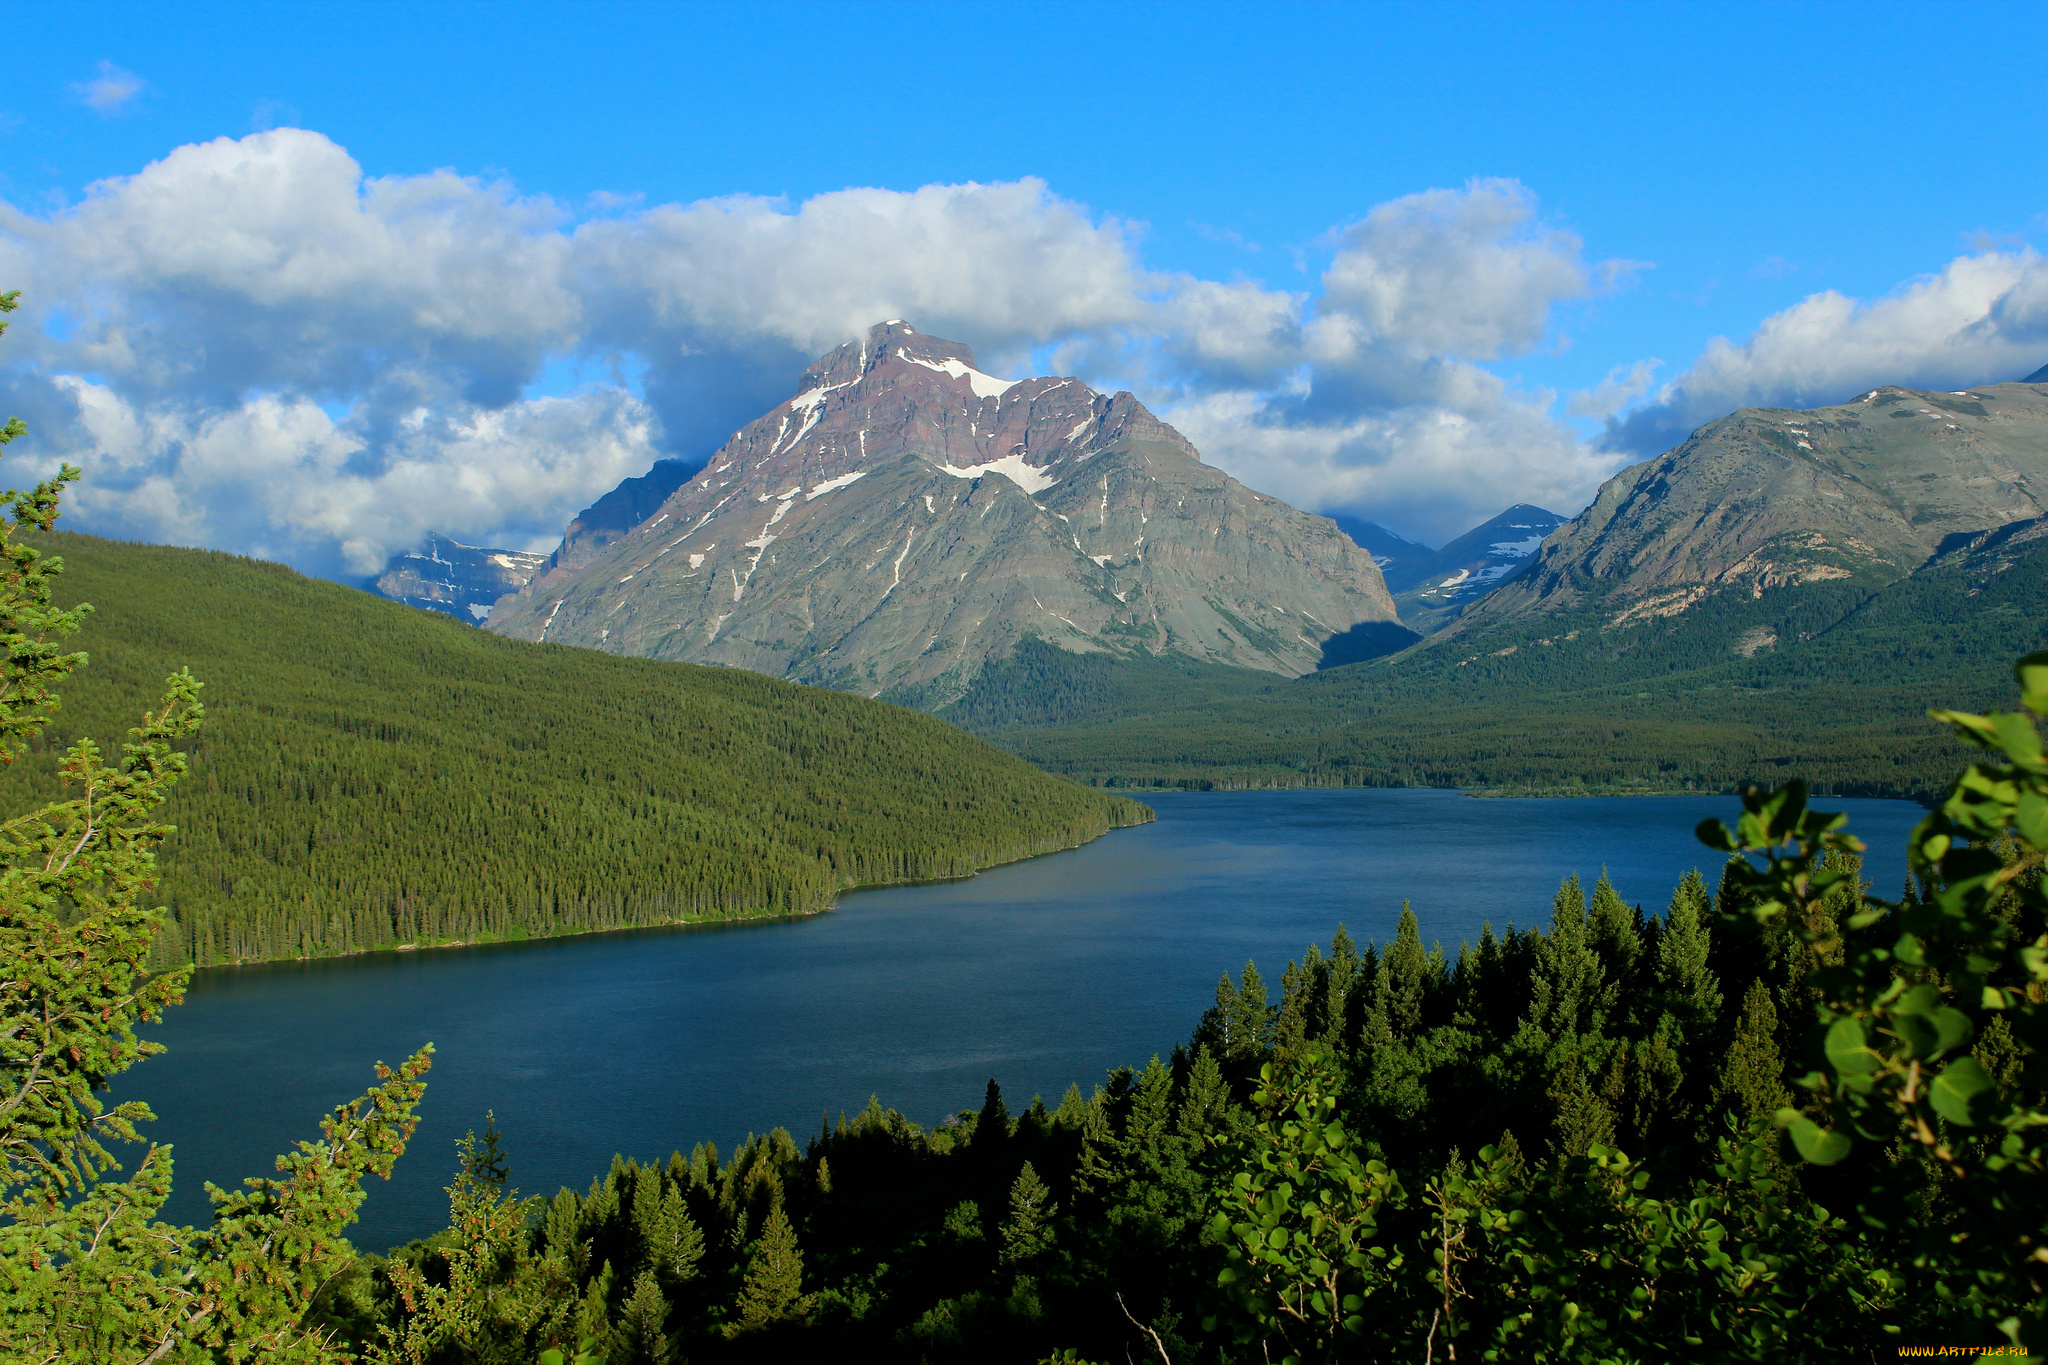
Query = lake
x=1039 y=974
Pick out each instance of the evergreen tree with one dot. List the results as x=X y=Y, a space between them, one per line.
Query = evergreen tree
x=1612 y=928
x=90 y=1276
x=992 y=1125
x=1027 y=1232
x=642 y=1323
x=1684 y=982
x=1248 y=1029
x=1341 y=980
x=1753 y=1076
x=773 y=1292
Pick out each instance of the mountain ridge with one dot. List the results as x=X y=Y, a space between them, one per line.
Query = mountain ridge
x=906 y=518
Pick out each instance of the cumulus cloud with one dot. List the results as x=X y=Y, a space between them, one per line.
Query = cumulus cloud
x=251 y=345
x=110 y=91
x=1982 y=319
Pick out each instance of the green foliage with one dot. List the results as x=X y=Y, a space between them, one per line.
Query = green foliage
x=372 y=775
x=89 y=1275
x=1298 y=1216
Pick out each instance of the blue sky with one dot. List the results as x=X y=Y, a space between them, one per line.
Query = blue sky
x=1619 y=185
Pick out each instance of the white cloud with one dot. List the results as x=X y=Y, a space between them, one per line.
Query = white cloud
x=1982 y=319
x=1468 y=272
x=111 y=90
x=250 y=345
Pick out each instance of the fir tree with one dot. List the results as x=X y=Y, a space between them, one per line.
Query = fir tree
x=773 y=1291
x=643 y=1319
x=1753 y=1076
x=1027 y=1232
x=1611 y=927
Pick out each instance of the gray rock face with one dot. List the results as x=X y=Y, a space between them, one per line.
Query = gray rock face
x=1865 y=491
x=906 y=518
x=461 y=580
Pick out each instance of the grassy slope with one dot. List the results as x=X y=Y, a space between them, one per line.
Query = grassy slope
x=372 y=775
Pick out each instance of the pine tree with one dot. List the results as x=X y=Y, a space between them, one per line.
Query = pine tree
x=642 y=1320
x=991 y=1125
x=1688 y=988
x=1753 y=1077
x=1611 y=927
x=773 y=1291
x=1027 y=1233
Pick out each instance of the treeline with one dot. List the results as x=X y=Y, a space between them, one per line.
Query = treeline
x=370 y=775
x=1485 y=1099
x=1561 y=703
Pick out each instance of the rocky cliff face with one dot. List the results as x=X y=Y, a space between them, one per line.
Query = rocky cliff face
x=462 y=580
x=1860 y=494
x=906 y=518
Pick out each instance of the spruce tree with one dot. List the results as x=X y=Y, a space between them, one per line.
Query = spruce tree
x=773 y=1291
x=643 y=1319
x=1753 y=1076
x=1249 y=1023
x=1684 y=981
x=1341 y=980
x=1611 y=925
x=1027 y=1233
x=991 y=1125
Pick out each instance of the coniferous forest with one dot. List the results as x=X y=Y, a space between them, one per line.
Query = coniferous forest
x=371 y=775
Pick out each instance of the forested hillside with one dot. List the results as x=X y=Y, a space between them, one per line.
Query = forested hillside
x=370 y=775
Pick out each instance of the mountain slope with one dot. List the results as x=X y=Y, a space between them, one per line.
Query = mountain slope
x=1839 y=501
x=906 y=518
x=1433 y=590
x=371 y=776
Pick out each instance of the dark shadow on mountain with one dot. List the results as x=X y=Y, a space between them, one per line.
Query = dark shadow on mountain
x=1366 y=640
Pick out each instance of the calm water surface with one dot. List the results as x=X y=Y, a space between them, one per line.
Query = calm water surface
x=1039 y=974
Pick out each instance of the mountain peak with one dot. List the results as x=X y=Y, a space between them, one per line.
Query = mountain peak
x=907 y=517
x=898 y=340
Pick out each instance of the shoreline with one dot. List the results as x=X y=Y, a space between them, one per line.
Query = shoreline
x=734 y=920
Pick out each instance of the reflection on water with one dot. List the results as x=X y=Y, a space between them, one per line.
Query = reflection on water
x=1039 y=974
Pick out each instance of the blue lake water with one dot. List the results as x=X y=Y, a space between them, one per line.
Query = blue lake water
x=1038 y=974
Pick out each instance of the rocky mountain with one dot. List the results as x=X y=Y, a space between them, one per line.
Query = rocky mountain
x=1434 y=589
x=2039 y=376
x=1834 y=503
x=462 y=580
x=906 y=518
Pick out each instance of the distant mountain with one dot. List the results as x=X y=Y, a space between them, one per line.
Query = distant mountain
x=1394 y=555
x=905 y=519
x=1776 y=520
x=462 y=580
x=1433 y=590
x=2039 y=376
